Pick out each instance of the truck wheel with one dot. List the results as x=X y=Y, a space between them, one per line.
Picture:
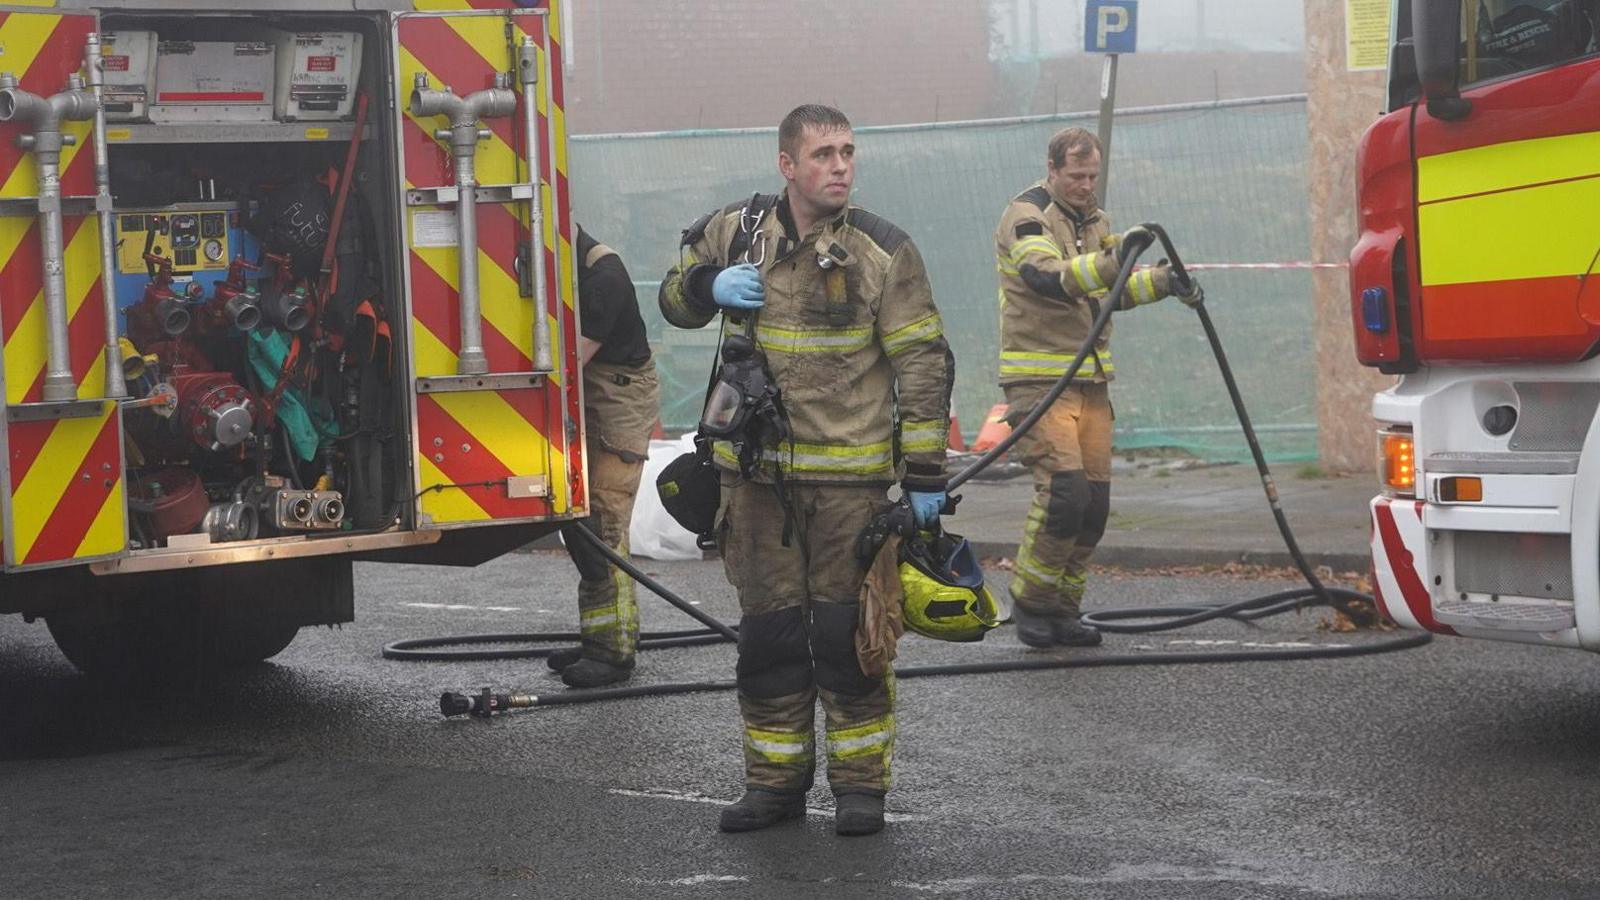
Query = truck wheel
x=186 y=624
x=248 y=643
x=175 y=644
x=93 y=649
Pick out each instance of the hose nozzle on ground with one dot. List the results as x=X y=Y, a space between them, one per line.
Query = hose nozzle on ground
x=483 y=704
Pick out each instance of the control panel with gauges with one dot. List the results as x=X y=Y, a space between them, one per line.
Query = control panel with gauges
x=201 y=239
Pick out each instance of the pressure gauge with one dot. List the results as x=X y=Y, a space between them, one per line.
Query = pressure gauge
x=213 y=250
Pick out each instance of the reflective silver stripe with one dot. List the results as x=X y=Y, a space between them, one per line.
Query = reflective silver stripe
x=1083 y=269
x=774 y=749
x=873 y=740
x=1042 y=364
x=1026 y=566
x=1034 y=244
x=1030 y=571
x=789 y=340
x=874 y=737
x=872 y=460
x=598 y=619
x=780 y=746
x=921 y=331
x=916 y=437
x=1143 y=286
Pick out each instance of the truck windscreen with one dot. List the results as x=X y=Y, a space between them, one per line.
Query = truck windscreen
x=1504 y=37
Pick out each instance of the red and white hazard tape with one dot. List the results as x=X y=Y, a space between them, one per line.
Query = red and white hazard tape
x=1201 y=267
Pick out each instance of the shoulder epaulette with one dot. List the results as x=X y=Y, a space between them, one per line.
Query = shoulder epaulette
x=585 y=244
x=696 y=231
x=758 y=201
x=879 y=230
x=1037 y=195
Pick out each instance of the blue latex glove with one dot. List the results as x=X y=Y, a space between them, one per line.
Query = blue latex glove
x=739 y=287
x=925 y=506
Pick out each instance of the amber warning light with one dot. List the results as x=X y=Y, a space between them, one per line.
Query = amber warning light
x=1456 y=489
x=1397 y=463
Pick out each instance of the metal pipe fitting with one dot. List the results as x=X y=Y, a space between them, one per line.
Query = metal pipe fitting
x=463 y=136
x=286 y=309
x=94 y=64
x=44 y=117
x=172 y=314
x=231 y=520
x=244 y=310
x=528 y=74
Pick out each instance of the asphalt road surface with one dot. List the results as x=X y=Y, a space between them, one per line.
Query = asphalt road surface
x=1459 y=769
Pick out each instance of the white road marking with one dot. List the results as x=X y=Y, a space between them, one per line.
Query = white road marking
x=456 y=607
x=688 y=797
x=1122 y=874
x=1259 y=645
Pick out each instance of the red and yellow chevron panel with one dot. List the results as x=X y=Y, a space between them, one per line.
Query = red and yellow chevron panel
x=511 y=432
x=66 y=502
x=42 y=49
x=64 y=499
x=469 y=5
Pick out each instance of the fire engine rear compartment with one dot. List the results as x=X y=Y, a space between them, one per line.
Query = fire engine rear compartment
x=268 y=440
x=282 y=413
x=267 y=399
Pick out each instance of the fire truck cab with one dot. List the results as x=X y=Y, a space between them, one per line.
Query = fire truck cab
x=283 y=285
x=1474 y=281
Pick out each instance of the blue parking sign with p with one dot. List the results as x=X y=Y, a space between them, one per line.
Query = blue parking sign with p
x=1110 y=26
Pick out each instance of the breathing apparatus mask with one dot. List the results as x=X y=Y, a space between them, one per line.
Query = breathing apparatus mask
x=744 y=405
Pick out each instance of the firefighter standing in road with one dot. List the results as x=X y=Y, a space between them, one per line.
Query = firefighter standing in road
x=621 y=397
x=846 y=320
x=1057 y=258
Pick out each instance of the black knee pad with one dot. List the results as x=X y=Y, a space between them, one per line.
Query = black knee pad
x=1069 y=500
x=1094 y=518
x=592 y=564
x=833 y=646
x=774 y=656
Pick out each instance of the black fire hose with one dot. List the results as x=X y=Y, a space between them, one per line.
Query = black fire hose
x=715 y=632
x=1130 y=620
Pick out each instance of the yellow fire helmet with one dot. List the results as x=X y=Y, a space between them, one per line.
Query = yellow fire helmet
x=945 y=597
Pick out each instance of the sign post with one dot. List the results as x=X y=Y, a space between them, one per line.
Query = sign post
x=1110 y=27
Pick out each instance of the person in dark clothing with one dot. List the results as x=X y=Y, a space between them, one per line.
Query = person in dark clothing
x=621 y=403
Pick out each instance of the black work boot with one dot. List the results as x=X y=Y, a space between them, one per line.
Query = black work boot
x=560 y=659
x=1033 y=629
x=857 y=814
x=760 y=808
x=589 y=672
x=1071 y=632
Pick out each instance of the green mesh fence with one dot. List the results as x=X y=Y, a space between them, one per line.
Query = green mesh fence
x=1228 y=181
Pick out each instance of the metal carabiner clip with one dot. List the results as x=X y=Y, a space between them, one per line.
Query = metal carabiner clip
x=750 y=224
